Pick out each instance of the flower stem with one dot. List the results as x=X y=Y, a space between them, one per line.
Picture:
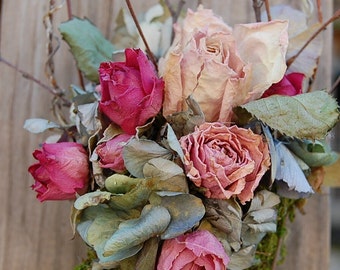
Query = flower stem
x=140 y=31
x=323 y=27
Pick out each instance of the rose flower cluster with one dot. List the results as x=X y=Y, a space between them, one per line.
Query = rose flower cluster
x=169 y=168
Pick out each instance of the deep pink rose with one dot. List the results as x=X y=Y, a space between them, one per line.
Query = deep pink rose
x=110 y=153
x=225 y=161
x=290 y=85
x=197 y=250
x=62 y=171
x=131 y=91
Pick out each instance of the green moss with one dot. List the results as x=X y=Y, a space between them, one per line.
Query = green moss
x=87 y=263
x=271 y=250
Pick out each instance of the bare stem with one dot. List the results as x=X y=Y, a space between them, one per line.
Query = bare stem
x=175 y=14
x=323 y=27
x=267 y=5
x=32 y=78
x=335 y=85
x=257 y=4
x=134 y=17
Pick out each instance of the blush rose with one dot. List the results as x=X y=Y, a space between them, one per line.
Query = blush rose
x=131 y=92
x=62 y=171
x=197 y=250
x=111 y=153
x=219 y=66
x=225 y=161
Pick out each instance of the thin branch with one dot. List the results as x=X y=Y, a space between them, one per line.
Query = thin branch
x=69 y=9
x=323 y=27
x=175 y=14
x=267 y=5
x=318 y=3
x=140 y=31
x=257 y=4
x=335 y=85
x=32 y=78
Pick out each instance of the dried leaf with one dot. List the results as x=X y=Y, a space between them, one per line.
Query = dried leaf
x=318 y=110
x=148 y=255
x=38 y=125
x=332 y=177
x=242 y=259
x=131 y=233
x=92 y=199
x=87 y=44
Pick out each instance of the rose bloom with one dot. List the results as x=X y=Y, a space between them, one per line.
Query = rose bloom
x=220 y=66
x=197 y=250
x=131 y=92
x=225 y=161
x=290 y=85
x=62 y=171
x=111 y=153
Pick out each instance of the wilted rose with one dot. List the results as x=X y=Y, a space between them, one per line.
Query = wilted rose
x=290 y=85
x=220 y=66
x=197 y=250
x=62 y=171
x=225 y=161
x=131 y=92
x=111 y=153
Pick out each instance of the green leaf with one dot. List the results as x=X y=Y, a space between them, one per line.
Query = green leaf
x=88 y=46
x=137 y=152
x=186 y=211
x=134 y=232
x=92 y=199
x=305 y=116
x=313 y=153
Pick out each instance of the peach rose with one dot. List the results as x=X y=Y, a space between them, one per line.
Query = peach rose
x=222 y=67
x=225 y=161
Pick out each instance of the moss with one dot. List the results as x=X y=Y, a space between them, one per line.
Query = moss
x=87 y=263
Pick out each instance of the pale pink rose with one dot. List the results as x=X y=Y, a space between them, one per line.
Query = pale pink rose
x=62 y=171
x=225 y=161
x=197 y=250
x=111 y=153
x=131 y=92
x=221 y=67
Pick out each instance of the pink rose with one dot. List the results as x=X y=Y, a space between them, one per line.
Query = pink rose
x=290 y=85
x=197 y=250
x=131 y=91
x=110 y=153
x=225 y=161
x=220 y=66
x=62 y=171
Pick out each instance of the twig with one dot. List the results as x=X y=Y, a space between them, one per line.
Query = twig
x=318 y=3
x=267 y=5
x=140 y=31
x=32 y=78
x=335 y=85
x=70 y=16
x=175 y=14
x=323 y=27
x=257 y=4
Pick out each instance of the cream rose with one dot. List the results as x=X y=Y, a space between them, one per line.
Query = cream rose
x=222 y=67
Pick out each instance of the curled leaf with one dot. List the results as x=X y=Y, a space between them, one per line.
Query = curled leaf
x=38 y=125
x=153 y=221
x=92 y=199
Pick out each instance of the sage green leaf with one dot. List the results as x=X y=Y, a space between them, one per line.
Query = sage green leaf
x=313 y=153
x=226 y=216
x=305 y=116
x=137 y=152
x=152 y=221
x=243 y=259
x=92 y=199
x=87 y=44
x=260 y=218
x=173 y=142
x=186 y=211
x=39 y=125
x=120 y=183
